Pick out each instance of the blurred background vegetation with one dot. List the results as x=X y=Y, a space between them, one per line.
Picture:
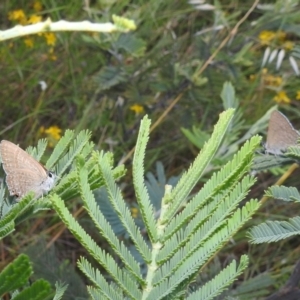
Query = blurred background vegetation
x=107 y=82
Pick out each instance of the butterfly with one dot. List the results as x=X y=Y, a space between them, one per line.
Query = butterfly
x=23 y=172
x=281 y=134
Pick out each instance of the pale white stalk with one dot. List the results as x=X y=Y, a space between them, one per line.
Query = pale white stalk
x=121 y=24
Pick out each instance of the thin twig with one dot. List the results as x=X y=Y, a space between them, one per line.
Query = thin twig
x=229 y=36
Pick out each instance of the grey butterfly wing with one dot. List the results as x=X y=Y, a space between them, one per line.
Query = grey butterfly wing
x=281 y=134
x=25 y=181
x=23 y=172
x=13 y=158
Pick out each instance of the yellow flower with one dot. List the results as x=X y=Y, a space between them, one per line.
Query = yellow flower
x=282 y=97
x=252 y=77
x=298 y=95
x=277 y=80
x=134 y=212
x=28 y=42
x=50 y=38
x=271 y=80
x=266 y=36
x=17 y=15
x=288 y=45
x=53 y=132
x=138 y=109
x=34 y=19
x=52 y=57
x=37 y=6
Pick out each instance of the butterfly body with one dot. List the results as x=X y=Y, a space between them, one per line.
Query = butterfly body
x=23 y=172
x=281 y=134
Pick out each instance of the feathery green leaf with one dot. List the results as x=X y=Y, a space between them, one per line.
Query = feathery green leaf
x=209 y=219
x=223 y=179
x=181 y=267
x=142 y=196
x=191 y=177
x=60 y=148
x=38 y=151
x=283 y=193
x=273 y=231
x=15 y=275
x=18 y=209
x=215 y=286
x=39 y=290
x=103 y=226
x=122 y=210
x=75 y=149
x=122 y=279
x=60 y=290
x=105 y=289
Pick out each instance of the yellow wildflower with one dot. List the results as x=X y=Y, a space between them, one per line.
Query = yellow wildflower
x=298 y=95
x=271 y=80
x=282 y=97
x=28 y=42
x=277 y=80
x=266 y=36
x=138 y=109
x=53 y=132
x=34 y=19
x=134 y=212
x=52 y=57
x=50 y=38
x=17 y=15
x=252 y=77
x=288 y=45
x=37 y=6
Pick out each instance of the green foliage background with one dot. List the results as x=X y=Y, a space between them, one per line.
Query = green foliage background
x=97 y=81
